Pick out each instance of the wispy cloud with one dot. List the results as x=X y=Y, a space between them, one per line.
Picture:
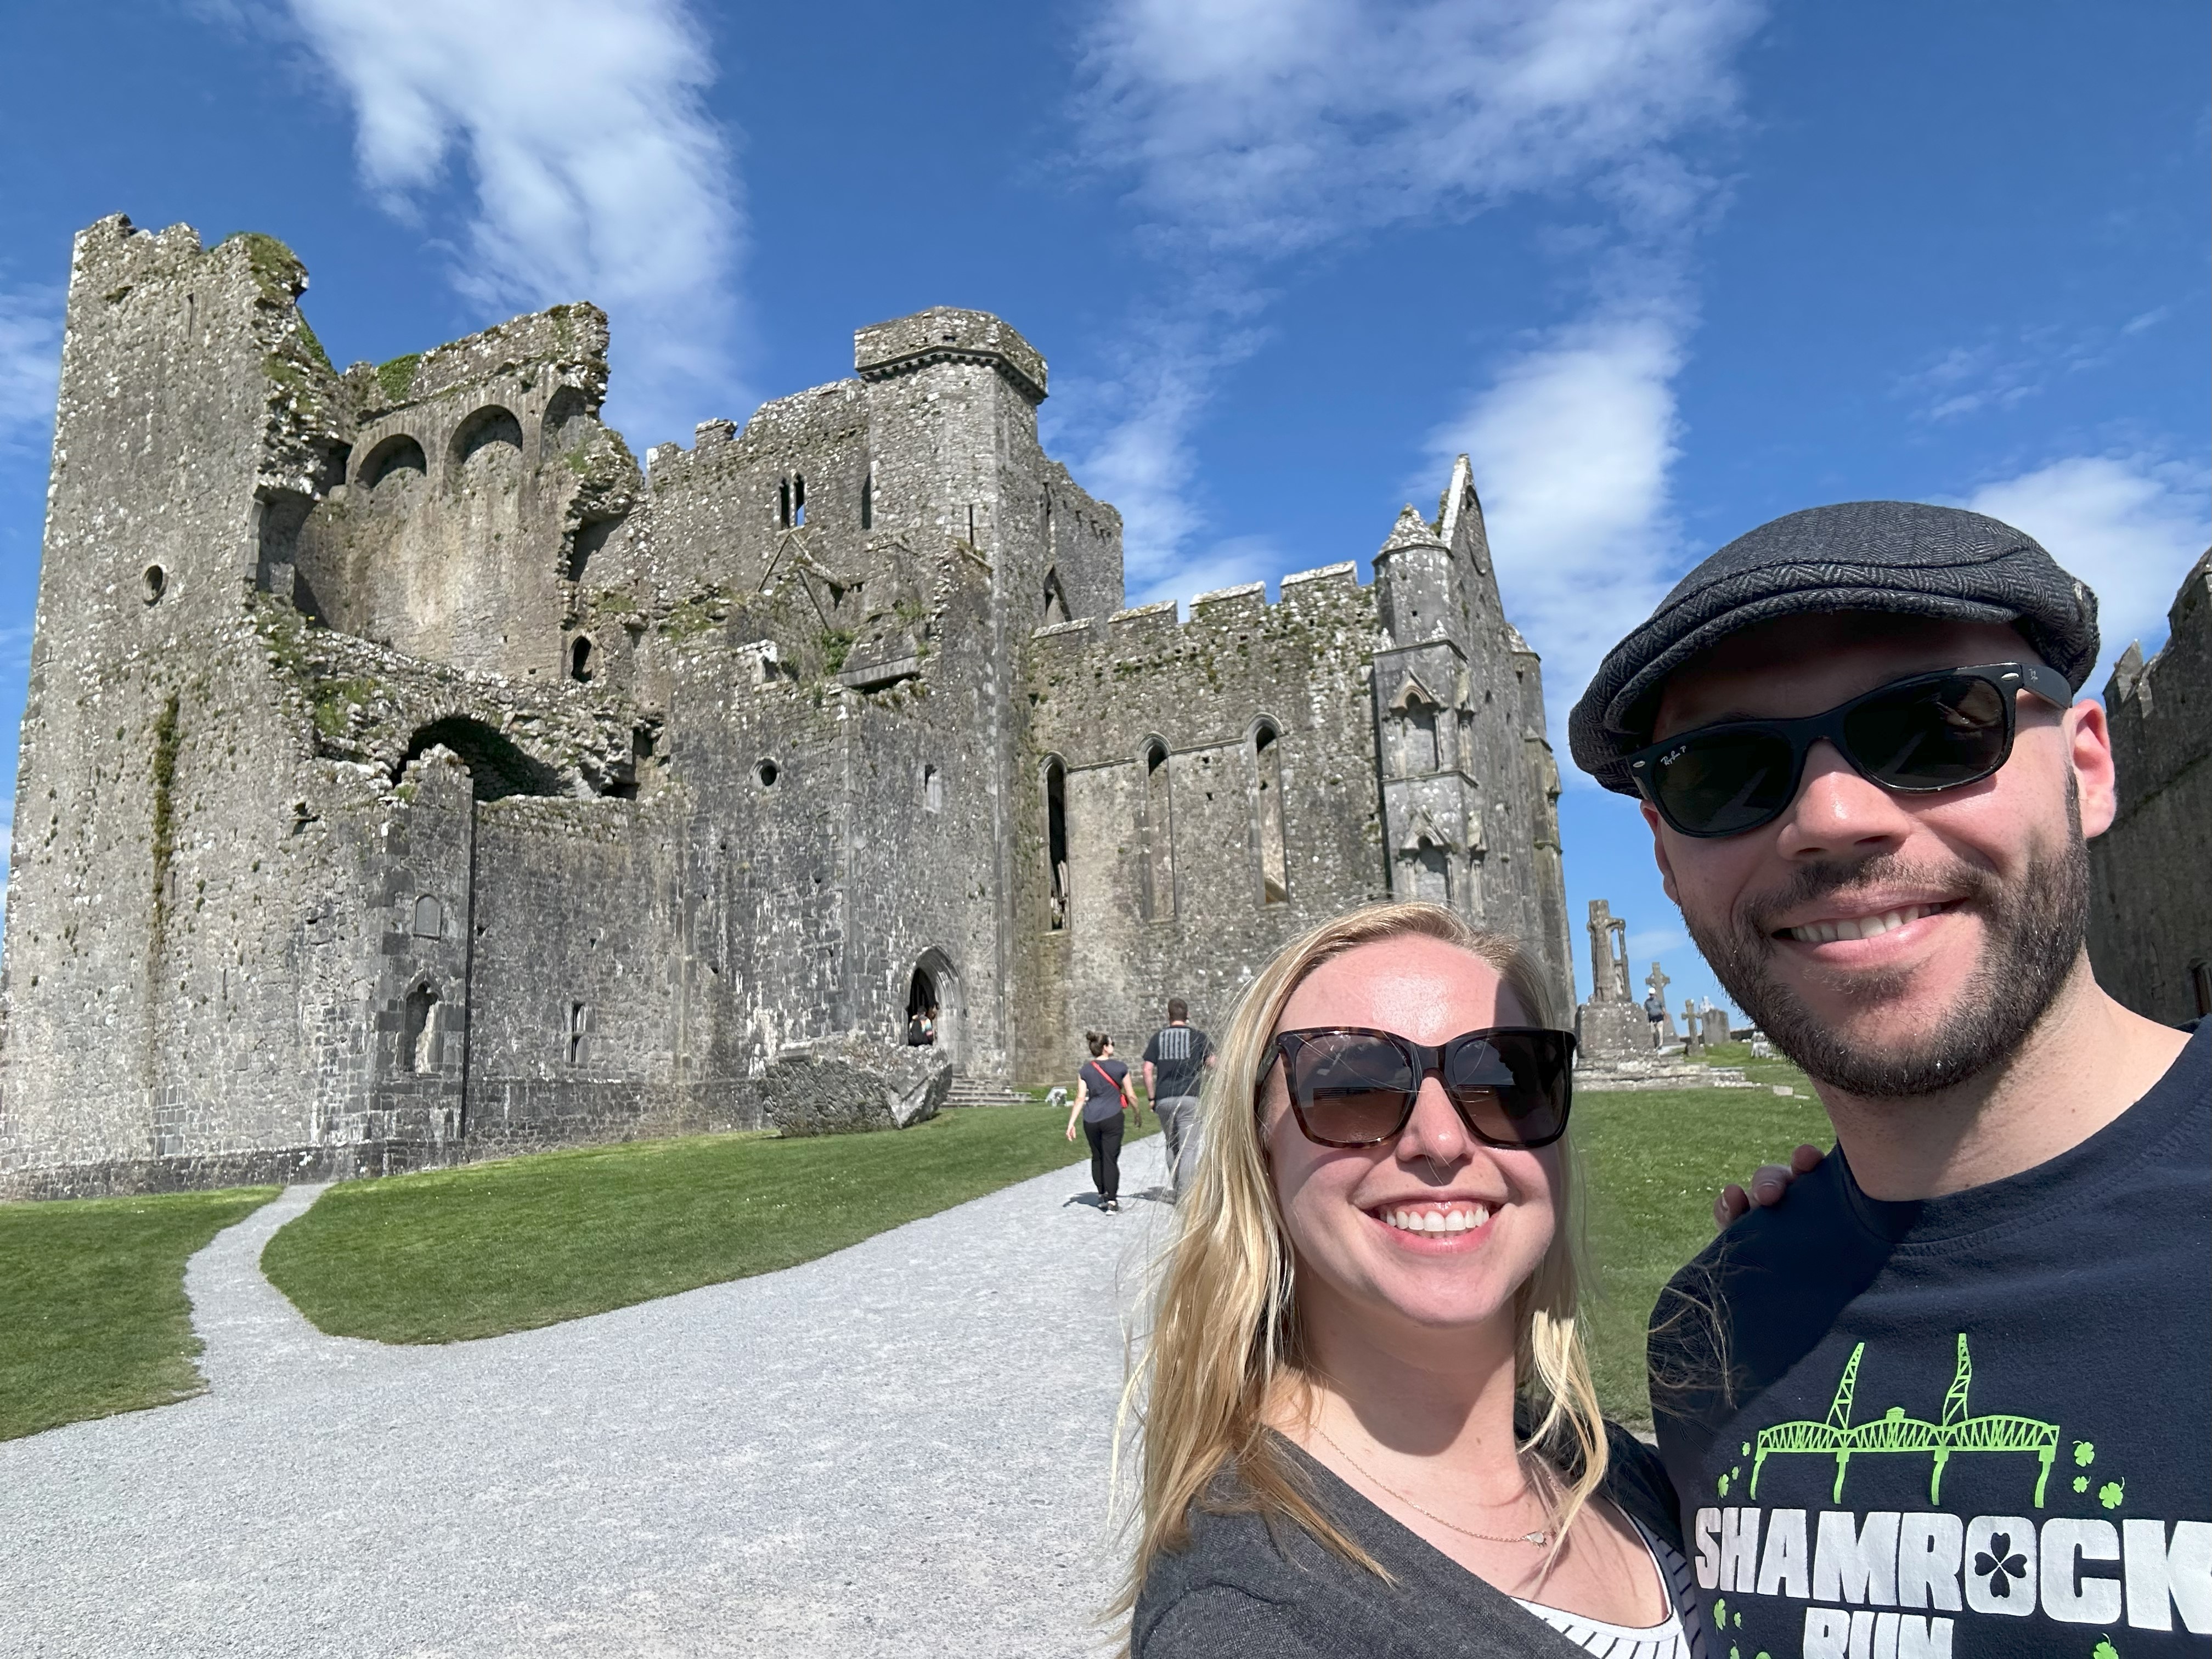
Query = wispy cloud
x=2129 y=524
x=1573 y=442
x=1254 y=130
x=30 y=365
x=597 y=171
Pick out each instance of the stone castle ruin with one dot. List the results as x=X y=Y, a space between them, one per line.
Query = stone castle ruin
x=409 y=775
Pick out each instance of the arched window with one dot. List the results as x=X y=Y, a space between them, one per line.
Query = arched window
x=1159 y=835
x=1274 y=858
x=1055 y=841
x=487 y=445
x=798 y=498
x=1056 y=599
x=418 y=1031
x=579 y=658
x=398 y=457
x=932 y=790
x=574 y=1030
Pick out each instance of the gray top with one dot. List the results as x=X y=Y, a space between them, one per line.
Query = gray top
x=1238 y=1591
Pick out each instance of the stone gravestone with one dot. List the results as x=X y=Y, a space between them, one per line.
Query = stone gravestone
x=1609 y=1027
x=1693 y=1037
x=1717 y=1025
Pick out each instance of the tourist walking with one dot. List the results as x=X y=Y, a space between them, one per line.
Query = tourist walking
x=1176 y=1061
x=1101 y=1094
x=1376 y=1260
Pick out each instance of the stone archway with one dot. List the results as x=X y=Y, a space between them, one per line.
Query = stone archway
x=934 y=982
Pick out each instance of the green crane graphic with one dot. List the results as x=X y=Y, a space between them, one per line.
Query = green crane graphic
x=1893 y=1431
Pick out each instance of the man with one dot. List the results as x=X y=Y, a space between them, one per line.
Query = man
x=1954 y=1395
x=1176 y=1058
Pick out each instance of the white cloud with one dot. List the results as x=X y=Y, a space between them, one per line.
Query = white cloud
x=598 y=172
x=1256 y=129
x=30 y=364
x=2130 y=526
x=1572 y=444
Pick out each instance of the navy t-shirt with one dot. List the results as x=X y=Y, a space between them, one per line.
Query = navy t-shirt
x=1976 y=1425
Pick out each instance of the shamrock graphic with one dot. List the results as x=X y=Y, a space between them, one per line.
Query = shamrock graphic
x=2113 y=1494
x=2105 y=1650
x=2085 y=1453
x=1999 y=1563
x=2080 y=1483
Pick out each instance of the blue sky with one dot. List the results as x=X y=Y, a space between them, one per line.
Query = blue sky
x=1666 y=268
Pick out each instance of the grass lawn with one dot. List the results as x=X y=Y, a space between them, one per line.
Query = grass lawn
x=1653 y=1163
x=93 y=1315
x=453 y=1254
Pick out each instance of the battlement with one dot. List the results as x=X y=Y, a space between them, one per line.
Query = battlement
x=944 y=334
x=1146 y=628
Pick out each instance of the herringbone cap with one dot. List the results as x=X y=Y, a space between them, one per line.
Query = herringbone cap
x=1905 y=557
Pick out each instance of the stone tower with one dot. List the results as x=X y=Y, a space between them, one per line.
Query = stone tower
x=408 y=774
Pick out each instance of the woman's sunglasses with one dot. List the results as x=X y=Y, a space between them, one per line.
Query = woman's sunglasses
x=1915 y=736
x=1351 y=1086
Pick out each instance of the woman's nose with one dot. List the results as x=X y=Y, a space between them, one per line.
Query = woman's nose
x=1436 y=1130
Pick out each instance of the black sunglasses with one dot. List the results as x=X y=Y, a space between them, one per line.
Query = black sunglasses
x=1352 y=1086
x=1914 y=736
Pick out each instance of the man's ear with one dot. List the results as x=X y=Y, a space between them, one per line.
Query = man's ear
x=1659 y=852
x=2089 y=752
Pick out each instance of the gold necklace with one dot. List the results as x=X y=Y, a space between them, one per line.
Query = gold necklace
x=1538 y=1536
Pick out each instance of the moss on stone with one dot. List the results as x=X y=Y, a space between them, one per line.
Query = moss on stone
x=395 y=377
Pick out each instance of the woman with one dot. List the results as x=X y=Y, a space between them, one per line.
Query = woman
x=1102 y=1091
x=1369 y=1426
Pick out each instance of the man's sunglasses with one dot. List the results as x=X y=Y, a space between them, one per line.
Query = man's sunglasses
x=1351 y=1086
x=1915 y=736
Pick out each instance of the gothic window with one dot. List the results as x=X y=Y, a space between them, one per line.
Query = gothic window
x=418 y=1032
x=1431 y=872
x=1159 y=835
x=1056 y=599
x=1055 y=842
x=574 y=1028
x=1420 y=738
x=429 y=920
x=1275 y=862
x=932 y=790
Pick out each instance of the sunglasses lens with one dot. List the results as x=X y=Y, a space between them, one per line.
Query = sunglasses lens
x=1512 y=1086
x=1352 y=1089
x=1724 y=782
x=1936 y=735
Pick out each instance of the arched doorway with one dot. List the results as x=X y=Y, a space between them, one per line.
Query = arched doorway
x=933 y=1004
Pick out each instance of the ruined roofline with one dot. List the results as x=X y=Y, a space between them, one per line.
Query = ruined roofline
x=1223 y=607
x=946 y=334
x=2132 y=676
x=571 y=339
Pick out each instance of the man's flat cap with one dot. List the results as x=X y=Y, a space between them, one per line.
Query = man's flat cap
x=1899 y=557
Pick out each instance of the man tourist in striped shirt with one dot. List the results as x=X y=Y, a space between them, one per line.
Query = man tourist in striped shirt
x=1178 y=1055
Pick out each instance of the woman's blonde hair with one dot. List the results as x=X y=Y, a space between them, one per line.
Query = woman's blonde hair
x=1225 y=1333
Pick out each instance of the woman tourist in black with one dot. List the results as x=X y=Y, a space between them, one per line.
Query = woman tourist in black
x=1102 y=1092
x=1367 y=1417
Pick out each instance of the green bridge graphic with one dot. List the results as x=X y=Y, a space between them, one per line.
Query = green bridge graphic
x=1893 y=1431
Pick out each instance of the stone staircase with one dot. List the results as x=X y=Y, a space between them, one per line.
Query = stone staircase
x=984 y=1091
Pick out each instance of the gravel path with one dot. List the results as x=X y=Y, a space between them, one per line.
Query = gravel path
x=899 y=1449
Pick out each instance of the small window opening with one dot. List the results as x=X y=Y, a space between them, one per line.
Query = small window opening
x=868 y=500
x=573 y=1032
x=157 y=583
x=799 y=498
x=429 y=920
x=766 y=772
x=971 y=524
x=1055 y=835
x=580 y=659
x=1158 y=837
x=1056 y=600
x=932 y=790
x=418 y=1031
x=1274 y=864
x=783 y=503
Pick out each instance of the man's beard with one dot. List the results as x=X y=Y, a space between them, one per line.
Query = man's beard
x=2035 y=930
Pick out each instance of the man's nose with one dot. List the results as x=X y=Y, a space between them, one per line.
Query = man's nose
x=1839 y=813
